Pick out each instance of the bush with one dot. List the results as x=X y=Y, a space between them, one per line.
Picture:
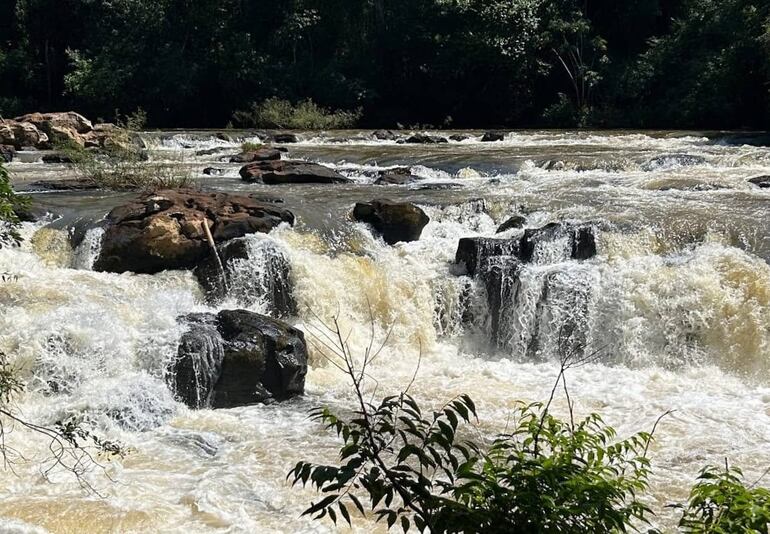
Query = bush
x=305 y=115
x=10 y=205
x=720 y=503
x=122 y=164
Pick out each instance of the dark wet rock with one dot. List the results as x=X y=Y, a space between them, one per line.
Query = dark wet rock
x=56 y=158
x=673 y=160
x=501 y=282
x=425 y=139
x=290 y=172
x=398 y=176
x=517 y=221
x=7 y=153
x=761 y=181
x=384 y=135
x=255 y=272
x=459 y=137
x=284 y=138
x=163 y=230
x=65 y=184
x=492 y=136
x=213 y=171
x=211 y=151
x=395 y=221
x=474 y=251
x=198 y=365
x=581 y=241
x=261 y=154
x=238 y=358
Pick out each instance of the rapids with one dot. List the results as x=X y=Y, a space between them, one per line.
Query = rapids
x=677 y=302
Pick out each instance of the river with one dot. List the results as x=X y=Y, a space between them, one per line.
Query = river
x=676 y=302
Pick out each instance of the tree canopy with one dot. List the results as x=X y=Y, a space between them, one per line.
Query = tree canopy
x=464 y=63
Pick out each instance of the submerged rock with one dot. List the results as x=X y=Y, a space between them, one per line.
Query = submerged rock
x=672 y=160
x=395 y=221
x=290 y=172
x=261 y=154
x=425 y=139
x=284 y=138
x=237 y=358
x=459 y=137
x=398 y=176
x=163 y=230
x=517 y=221
x=761 y=181
x=384 y=135
x=64 y=184
x=213 y=171
x=255 y=273
x=492 y=136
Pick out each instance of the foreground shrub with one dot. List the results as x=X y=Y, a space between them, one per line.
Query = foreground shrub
x=305 y=115
x=429 y=470
x=10 y=205
x=721 y=503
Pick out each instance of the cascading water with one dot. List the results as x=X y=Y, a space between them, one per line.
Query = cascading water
x=675 y=302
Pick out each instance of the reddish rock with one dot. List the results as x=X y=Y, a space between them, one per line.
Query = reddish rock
x=290 y=172
x=163 y=230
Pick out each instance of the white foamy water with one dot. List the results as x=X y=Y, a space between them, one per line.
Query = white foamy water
x=677 y=301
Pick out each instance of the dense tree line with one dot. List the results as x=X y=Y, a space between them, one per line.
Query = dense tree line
x=641 y=63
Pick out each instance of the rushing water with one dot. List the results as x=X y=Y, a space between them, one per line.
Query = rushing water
x=677 y=302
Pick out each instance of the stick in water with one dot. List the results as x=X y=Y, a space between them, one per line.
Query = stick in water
x=210 y=239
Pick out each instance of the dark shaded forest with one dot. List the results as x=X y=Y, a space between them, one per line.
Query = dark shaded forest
x=456 y=63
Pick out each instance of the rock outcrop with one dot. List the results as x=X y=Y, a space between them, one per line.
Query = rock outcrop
x=395 y=221
x=163 y=230
x=237 y=358
x=43 y=130
x=290 y=172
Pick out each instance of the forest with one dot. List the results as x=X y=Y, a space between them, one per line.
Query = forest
x=426 y=63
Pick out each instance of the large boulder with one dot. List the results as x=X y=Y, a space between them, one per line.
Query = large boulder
x=163 y=230
x=257 y=272
x=26 y=134
x=237 y=358
x=395 y=221
x=761 y=181
x=68 y=120
x=261 y=154
x=290 y=172
x=284 y=138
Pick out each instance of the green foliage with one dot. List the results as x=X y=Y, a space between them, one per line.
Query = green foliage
x=546 y=475
x=305 y=115
x=483 y=62
x=721 y=503
x=10 y=205
x=250 y=147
